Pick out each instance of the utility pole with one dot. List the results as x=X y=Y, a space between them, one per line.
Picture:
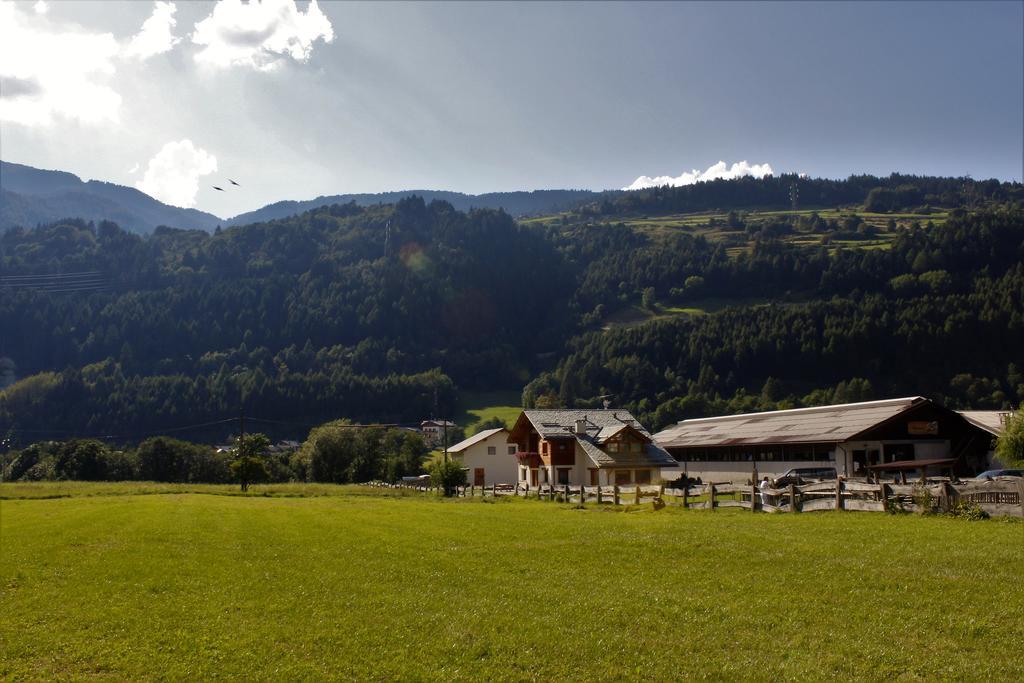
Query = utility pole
x=241 y=430
x=445 y=423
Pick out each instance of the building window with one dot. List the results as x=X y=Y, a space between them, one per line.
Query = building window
x=613 y=447
x=492 y=450
x=643 y=476
x=563 y=475
x=623 y=477
x=511 y=450
x=636 y=447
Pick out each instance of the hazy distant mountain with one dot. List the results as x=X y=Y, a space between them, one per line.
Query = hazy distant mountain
x=515 y=203
x=30 y=195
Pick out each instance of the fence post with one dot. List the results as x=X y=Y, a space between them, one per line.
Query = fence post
x=839 y=493
x=599 y=492
x=615 y=494
x=686 y=494
x=636 y=495
x=1020 y=495
x=753 y=497
x=945 y=500
x=566 y=493
x=792 y=497
x=711 y=493
x=661 y=491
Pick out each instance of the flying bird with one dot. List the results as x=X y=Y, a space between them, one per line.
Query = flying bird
x=233 y=182
x=219 y=189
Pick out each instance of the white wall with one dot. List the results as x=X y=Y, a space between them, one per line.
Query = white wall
x=740 y=472
x=500 y=468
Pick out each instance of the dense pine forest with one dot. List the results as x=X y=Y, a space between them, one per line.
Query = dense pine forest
x=870 y=287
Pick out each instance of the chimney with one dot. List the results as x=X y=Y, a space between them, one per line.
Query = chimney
x=581 y=427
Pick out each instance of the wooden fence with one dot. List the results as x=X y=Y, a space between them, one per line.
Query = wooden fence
x=997 y=497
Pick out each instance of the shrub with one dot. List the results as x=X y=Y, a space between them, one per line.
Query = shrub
x=923 y=499
x=447 y=475
x=965 y=509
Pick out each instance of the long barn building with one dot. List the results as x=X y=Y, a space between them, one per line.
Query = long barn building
x=849 y=437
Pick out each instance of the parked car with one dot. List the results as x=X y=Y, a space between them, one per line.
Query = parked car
x=992 y=474
x=804 y=475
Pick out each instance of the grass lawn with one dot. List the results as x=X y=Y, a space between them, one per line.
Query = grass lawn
x=346 y=584
x=477 y=407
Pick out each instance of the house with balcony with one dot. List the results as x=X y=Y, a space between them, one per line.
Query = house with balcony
x=590 y=447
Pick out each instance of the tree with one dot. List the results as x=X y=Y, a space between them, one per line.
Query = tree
x=249 y=466
x=82 y=459
x=647 y=298
x=1010 y=445
x=494 y=422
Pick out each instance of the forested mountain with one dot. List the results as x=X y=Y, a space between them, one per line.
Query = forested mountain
x=30 y=196
x=890 y=193
x=386 y=312
x=367 y=313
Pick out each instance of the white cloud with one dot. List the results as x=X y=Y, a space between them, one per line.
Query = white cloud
x=172 y=176
x=259 y=34
x=41 y=7
x=49 y=71
x=156 y=35
x=715 y=172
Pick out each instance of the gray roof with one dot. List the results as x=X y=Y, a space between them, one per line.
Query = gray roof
x=476 y=438
x=802 y=425
x=555 y=423
x=601 y=424
x=992 y=421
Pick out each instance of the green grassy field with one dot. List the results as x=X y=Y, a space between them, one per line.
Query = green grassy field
x=700 y=223
x=477 y=407
x=339 y=583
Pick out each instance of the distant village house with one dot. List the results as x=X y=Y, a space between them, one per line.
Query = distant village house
x=433 y=431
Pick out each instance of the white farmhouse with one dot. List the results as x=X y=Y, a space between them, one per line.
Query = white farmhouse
x=488 y=456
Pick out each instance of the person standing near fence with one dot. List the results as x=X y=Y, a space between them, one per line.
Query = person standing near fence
x=764 y=486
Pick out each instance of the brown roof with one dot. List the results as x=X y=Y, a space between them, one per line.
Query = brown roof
x=829 y=424
x=992 y=421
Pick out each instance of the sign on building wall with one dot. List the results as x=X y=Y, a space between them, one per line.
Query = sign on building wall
x=922 y=428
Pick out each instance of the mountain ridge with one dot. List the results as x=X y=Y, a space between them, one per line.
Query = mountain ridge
x=31 y=196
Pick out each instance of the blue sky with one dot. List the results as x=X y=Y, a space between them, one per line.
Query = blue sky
x=486 y=97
